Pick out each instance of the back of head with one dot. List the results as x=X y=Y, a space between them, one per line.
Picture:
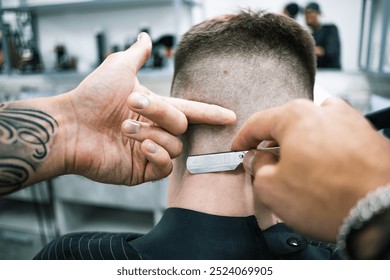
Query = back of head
x=313 y=6
x=292 y=10
x=246 y=62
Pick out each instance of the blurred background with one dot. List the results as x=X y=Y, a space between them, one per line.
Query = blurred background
x=48 y=46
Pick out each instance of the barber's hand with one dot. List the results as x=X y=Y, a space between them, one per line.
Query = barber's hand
x=123 y=133
x=330 y=157
x=319 y=51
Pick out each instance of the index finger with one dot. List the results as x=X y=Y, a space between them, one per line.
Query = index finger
x=173 y=114
x=256 y=128
x=203 y=113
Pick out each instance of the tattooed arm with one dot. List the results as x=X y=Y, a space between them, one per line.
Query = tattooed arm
x=27 y=140
x=109 y=129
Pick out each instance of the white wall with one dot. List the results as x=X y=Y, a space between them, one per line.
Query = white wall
x=345 y=14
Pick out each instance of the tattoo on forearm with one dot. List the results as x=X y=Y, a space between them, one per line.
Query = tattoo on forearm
x=25 y=135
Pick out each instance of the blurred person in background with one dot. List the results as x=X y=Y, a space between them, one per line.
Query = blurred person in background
x=326 y=36
x=291 y=10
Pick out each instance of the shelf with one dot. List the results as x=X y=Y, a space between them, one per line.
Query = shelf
x=70 y=16
x=79 y=217
x=145 y=197
x=23 y=86
x=88 y=5
x=63 y=6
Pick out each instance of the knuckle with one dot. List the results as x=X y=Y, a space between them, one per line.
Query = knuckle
x=113 y=57
x=178 y=148
x=299 y=108
x=164 y=167
x=299 y=103
x=181 y=127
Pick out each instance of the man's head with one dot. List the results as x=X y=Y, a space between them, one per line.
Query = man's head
x=312 y=15
x=246 y=62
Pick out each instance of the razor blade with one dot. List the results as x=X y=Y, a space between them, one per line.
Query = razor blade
x=218 y=162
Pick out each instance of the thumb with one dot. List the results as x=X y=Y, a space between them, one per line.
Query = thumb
x=140 y=51
x=255 y=159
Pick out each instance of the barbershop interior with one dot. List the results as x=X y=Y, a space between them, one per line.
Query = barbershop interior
x=47 y=47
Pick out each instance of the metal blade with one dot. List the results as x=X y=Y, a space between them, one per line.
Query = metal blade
x=225 y=161
x=217 y=162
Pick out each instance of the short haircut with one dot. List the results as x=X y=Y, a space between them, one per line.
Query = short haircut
x=246 y=62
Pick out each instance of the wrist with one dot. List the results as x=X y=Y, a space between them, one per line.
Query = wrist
x=68 y=132
x=60 y=109
x=364 y=232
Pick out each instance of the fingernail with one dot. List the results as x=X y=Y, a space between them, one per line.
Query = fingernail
x=248 y=161
x=140 y=36
x=131 y=127
x=139 y=101
x=151 y=147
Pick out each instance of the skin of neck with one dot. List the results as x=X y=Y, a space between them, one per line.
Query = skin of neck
x=316 y=26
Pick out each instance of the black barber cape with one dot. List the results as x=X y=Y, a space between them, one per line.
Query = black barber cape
x=187 y=234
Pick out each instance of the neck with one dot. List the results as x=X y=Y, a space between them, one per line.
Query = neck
x=315 y=26
x=223 y=193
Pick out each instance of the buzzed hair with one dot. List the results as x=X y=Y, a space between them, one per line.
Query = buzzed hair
x=246 y=62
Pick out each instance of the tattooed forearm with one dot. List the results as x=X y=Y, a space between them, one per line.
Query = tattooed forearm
x=14 y=171
x=25 y=136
